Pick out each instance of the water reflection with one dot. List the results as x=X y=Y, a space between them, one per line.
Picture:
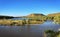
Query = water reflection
x=28 y=30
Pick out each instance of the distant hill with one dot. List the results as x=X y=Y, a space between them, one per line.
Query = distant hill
x=35 y=15
x=5 y=17
x=55 y=14
x=32 y=15
x=40 y=15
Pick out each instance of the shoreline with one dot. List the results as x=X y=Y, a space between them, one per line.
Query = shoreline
x=10 y=22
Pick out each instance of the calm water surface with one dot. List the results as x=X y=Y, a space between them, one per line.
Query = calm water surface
x=27 y=31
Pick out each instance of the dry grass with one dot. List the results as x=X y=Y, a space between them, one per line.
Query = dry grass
x=18 y=22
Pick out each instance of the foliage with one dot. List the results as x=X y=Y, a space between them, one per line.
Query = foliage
x=57 y=19
x=52 y=33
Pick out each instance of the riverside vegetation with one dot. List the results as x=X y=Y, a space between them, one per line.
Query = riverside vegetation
x=51 y=33
x=55 y=17
x=32 y=19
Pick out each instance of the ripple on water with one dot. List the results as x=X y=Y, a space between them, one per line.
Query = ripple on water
x=28 y=31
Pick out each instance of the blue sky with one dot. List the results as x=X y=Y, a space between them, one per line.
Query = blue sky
x=25 y=7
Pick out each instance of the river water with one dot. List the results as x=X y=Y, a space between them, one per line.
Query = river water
x=28 y=31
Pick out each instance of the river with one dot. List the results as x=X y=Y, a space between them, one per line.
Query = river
x=28 y=31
